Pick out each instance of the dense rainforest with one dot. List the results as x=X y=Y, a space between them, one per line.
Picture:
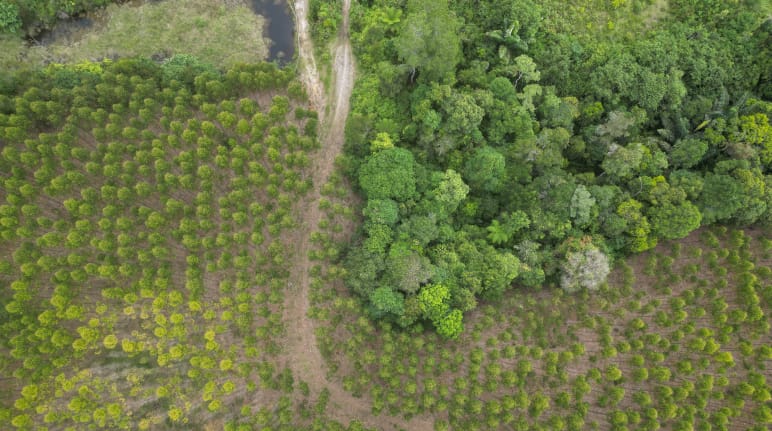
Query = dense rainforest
x=512 y=143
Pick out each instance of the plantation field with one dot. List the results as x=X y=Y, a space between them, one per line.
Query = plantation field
x=144 y=261
x=219 y=32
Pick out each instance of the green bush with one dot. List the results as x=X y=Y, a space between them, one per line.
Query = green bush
x=9 y=17
x=184 y=68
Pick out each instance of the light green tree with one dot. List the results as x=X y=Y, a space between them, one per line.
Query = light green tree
x=451 y=325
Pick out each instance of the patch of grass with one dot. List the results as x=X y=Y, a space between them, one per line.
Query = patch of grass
x=12 y=52
x=603 y=18
x=216 y=32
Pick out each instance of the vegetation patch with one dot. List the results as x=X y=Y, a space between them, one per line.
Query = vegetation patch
x=516 y=143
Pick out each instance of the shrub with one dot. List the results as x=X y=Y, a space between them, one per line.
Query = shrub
x=185 y=68
x=9 y=17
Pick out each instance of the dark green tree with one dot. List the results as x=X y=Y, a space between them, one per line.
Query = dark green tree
x=671 y=221
x=688 y=152
x=383 y=211
x=429 y=40
x=485 y=170
x=385 y=301
x=388 y=174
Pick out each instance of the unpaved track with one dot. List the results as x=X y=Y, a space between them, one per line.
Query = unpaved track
x=309 y=74
x=301 y=353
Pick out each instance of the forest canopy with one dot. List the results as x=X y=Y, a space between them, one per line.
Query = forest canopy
x=515 y=143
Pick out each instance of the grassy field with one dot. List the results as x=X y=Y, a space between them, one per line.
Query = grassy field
x=217 y=31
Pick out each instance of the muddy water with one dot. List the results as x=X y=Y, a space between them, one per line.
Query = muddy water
x=280 y=28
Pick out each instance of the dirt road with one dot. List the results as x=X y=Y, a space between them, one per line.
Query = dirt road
x=301 y=353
